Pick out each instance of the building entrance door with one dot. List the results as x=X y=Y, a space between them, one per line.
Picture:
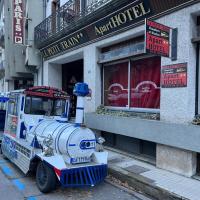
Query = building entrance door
x=71 y=74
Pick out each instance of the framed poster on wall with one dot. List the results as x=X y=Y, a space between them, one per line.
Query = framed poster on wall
x=174 y=76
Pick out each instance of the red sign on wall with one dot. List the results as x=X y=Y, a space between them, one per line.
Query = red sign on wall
x=174 y=75
x=18 y=22
x=157 y=38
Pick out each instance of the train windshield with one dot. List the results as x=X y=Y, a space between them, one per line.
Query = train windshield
x=44 y=106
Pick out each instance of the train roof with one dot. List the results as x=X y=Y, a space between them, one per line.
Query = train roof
x=44 y=91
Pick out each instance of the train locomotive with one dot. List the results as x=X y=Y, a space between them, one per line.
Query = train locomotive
x=39 y=137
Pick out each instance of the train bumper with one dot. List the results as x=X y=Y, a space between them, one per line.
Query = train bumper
x=83 y=176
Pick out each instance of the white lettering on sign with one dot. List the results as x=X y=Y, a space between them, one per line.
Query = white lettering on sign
x=18 y=22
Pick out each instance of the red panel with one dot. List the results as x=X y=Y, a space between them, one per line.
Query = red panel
x=145 y=83
x=45 y=91
x=116 y=85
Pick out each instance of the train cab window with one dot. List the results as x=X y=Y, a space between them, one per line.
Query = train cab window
x=27 y=105
x=59 y=107
x=44 y=106
x=12 y=106
x=38 y=106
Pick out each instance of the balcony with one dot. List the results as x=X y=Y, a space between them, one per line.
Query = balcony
x=66 y=18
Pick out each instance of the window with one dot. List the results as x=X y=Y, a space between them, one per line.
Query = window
x=12 y=105
x=38 y=105
x=12 y=115
x=59 y=107
x=44 y=106
x=133 y=84
x=95 y=4
x=116 y=85
x=145 y=83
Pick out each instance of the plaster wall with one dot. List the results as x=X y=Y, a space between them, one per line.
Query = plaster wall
x=178 y=104
x=53 y=75
x=48 y=8
x=35 y=16
x=92 y=76
x=176 y=160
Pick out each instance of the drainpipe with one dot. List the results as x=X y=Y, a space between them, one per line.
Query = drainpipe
x=42 y=70
x=83 y=6
x=197 y=81
x=42 y=60
x=44 y=8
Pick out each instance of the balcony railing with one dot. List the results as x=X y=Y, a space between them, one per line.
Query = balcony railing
x=66 y=15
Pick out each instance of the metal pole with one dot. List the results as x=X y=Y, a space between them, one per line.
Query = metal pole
x=197 y=81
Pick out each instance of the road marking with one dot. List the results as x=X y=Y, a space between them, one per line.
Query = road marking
x=31 y=198
x=6 y=170
x=20 y=186
x=2 y=161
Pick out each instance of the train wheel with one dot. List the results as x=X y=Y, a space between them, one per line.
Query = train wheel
x=45 y=178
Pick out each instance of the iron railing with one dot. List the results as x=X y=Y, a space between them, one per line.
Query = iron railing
x=64 y=16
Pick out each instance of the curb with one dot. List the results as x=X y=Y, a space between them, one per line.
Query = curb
x=143 y=184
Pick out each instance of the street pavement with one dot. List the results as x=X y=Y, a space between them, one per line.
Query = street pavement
x=14 y=185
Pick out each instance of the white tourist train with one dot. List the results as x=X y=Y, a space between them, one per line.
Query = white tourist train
x=38 y=137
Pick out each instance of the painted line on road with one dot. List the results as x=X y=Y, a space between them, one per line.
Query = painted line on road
x=6 y=170
x=2 y=161
x=31 y=198
x=20 y=186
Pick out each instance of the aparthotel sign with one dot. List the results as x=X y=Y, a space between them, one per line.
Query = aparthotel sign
x=123 y=18
x=18 y=22
x=174 y=75
x=157 y=38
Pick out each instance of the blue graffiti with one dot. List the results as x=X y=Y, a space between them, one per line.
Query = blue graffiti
x=9 y=146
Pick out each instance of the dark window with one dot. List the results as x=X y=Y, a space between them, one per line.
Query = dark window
x=131 y=145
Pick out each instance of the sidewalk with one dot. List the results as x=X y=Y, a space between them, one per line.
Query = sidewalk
x=157 y=183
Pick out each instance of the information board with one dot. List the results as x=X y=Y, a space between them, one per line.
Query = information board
x=174 y=75
x=157 y=38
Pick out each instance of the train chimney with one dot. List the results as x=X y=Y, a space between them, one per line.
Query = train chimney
x=81 y=90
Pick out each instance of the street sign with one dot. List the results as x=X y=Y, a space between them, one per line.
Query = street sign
x=18 y=21
x=157 y=38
